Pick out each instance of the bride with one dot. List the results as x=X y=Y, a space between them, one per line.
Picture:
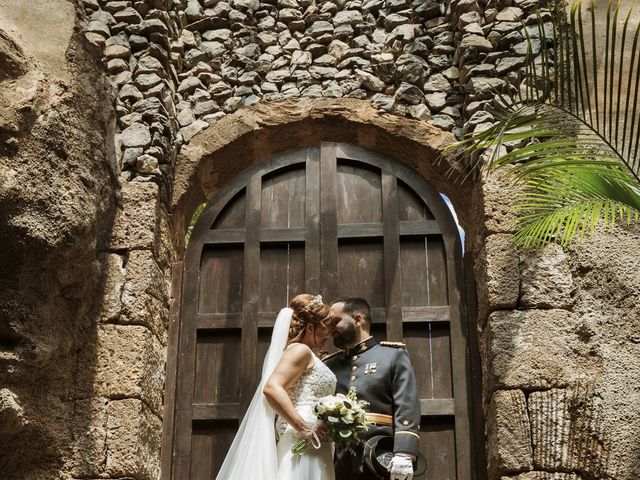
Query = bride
x=293 y=379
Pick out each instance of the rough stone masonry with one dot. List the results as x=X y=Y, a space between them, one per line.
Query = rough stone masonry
x=106 y=105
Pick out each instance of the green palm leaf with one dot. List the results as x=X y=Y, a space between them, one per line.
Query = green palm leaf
x=572 y=134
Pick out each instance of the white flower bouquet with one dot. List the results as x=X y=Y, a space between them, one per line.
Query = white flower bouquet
x=344 y=418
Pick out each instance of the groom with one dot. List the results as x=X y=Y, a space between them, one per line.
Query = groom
x=383 y=376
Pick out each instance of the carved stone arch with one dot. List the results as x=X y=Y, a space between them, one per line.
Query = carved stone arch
x=355 y=220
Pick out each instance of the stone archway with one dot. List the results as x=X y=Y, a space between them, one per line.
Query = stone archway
x=220 y=152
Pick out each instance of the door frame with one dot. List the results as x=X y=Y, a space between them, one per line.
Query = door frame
x=184 y=292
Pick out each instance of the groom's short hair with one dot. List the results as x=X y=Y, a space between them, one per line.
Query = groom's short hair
x=355 y=305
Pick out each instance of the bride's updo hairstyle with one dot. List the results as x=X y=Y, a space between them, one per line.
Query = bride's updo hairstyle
x=308 y=310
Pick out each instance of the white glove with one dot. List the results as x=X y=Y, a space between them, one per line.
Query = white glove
x=401 y=468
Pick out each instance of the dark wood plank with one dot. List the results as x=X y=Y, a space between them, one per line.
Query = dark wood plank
x=416 y=337
x=312 y=260
x=251 y=292
x=232 y=215
x=459 y=355
x=411 y=205
x=422 y=227
x=469 y=317
x=281 y=276
x=211 y=442
x=437 y=442
x=361 y=270
x=392 y=276
x=216 y=411
x=209 y=321
x=437 y=406
x=360 y=230
x=329 y=222
x=221 y=280
x=233 y=235
x=282 y=235
x=171 y=371
x=283 y=194
x=217 y=367
x=359 y=193
x=425 y=314
x=437 y=271
x=413 y=259
x=440 y=342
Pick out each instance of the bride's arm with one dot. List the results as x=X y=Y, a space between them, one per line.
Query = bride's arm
x=293 y=363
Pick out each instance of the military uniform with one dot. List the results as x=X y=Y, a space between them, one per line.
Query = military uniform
x=382 y=375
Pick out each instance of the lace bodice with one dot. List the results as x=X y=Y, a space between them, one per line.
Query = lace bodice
x=313 y=384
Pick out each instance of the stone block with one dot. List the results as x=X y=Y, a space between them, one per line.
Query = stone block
x=546 y=279
x=544 y=476
x=534 y=349
x=498 y=274
x=508 y=434
x=135 y=224
x=90 y=433
x=114 y=278
x=497 y=203
x=133 y=440
x=551 y=429
x=145 y=294
x=130 y=364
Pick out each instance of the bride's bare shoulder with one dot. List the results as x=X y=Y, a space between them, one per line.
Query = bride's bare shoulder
x=299 y=349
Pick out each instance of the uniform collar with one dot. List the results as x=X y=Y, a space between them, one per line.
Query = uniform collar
x=364 y=345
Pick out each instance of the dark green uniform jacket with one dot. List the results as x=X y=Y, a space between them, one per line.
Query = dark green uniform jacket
x=382 y=375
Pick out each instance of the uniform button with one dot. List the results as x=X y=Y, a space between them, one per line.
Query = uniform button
x=355 y=357
x=354 y=368
x=353 y=378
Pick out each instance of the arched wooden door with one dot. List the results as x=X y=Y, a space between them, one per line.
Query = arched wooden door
x=334 y=219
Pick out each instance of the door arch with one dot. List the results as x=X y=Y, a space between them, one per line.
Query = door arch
x=334 y=219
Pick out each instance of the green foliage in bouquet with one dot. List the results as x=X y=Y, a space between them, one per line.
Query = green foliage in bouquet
x=344 y=417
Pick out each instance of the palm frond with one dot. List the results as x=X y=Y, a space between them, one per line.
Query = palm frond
x=572 y=134
x=560 y=204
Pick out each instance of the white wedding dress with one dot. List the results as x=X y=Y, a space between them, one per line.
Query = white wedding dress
x=254 y=454
x=312 y=464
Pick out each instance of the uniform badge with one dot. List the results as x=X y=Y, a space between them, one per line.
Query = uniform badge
x=370 y=368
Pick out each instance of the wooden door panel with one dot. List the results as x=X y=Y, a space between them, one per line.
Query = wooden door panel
x=283 y=198
x=359 y=194
x=410 y=206
x=413 y=267
x=440 y=346
x=334 y=220
x=438 y=443
x=437 y=271
x=361 y=269
x=221 y=280
x=282 y=274
x=233 y=214
x=217 y=373
x=210 y=443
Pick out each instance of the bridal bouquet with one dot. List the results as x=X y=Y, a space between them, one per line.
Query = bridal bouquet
x=344 y=418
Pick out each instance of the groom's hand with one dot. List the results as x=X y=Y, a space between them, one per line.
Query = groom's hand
x=401 y=468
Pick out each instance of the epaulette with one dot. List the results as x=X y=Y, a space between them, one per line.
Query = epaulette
x=331 y=355
x=394 y=344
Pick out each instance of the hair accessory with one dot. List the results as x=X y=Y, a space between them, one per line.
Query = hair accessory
x=316 y=302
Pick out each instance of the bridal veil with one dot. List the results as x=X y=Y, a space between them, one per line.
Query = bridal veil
x=253 y=452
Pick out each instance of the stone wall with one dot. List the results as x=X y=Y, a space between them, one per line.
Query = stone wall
x=103 y=165
x=58 y=196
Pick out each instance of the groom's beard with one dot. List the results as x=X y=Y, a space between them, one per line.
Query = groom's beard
x=344 y=340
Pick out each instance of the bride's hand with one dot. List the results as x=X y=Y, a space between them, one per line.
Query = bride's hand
x=305 y=430
x=322 y=432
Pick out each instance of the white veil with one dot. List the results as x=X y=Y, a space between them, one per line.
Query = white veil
x=253 y=452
